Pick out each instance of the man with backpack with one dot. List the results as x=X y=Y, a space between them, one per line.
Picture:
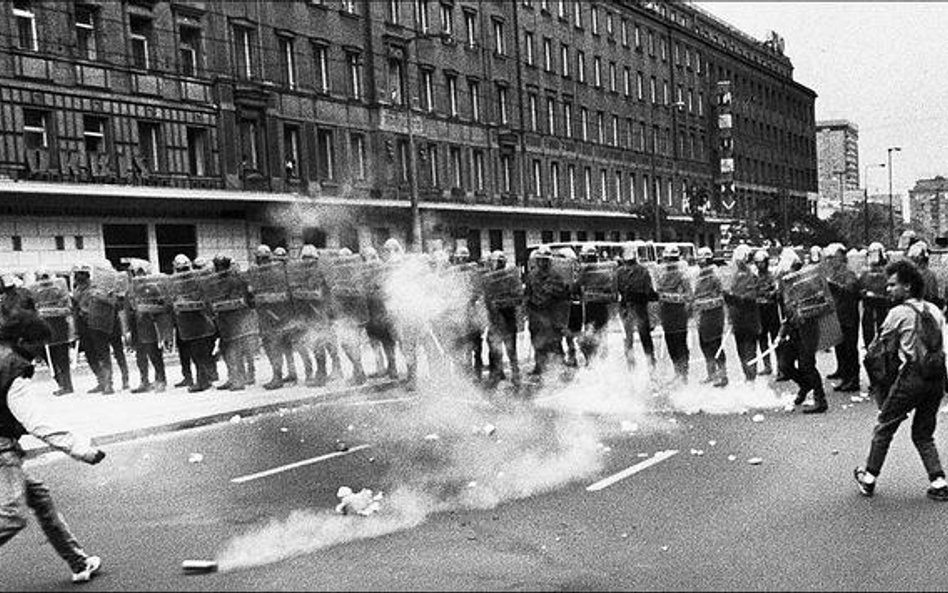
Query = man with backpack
x=911 y=341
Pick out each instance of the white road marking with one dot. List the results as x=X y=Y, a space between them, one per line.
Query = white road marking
x=605 y=483
x=297 y=464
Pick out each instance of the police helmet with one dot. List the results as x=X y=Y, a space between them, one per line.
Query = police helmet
x=309 y=252
x=918 y=251
x=742 y=254
x=875 y=246
x=181 y=262
x=704 y=254
x=761 y=256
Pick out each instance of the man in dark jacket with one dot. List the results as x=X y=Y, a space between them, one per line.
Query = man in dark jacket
x=845 y=289
x=875 y=303
x=546 y=295
x=635 y=293
x=709 y=303
x=767 y=306
x=674 y=297
x=743 y=311
x=22 y=334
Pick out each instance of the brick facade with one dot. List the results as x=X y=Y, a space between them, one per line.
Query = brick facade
x=290 y=119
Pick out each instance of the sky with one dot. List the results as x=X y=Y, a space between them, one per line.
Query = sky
x=881 y=65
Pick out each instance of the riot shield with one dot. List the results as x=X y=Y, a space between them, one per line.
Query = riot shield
x=706 y=298
x=807 y=293
x=347 y=278
x=269 y=284
x=503 y=288
x=191 y=314
x=597 y=282
x=309 y=291
x=106 y=286
x=55 y=307
x=226 y=293
x=150 y=294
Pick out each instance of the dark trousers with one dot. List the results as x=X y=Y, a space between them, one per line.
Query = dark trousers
x=847 y=354
x=184 y=355
x=747 y=352
x=200 y=352
x=145 y=353
x=872 y=318
x=637 y=322
x=118 y=351
x=769 y=328
x=275 y=349
x=677 y=343
x=715 y=363
x=100 y=358
x=238 y=358
x=910 y=392
x=801 y=348
x=59 y=356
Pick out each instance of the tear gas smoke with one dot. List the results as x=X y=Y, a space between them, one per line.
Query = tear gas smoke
x=537 y=447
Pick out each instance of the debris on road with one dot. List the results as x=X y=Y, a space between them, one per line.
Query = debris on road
x=235 y=419
x=362 y=503
x=284 y=429
x=199 y=566
x=350 y=428
x=664 y=548
x=712 y=443
x=341 y=446
x=755 y=461
x=789 y=407
x=628 y=426
x=757 y=418
x=732 y=457
x=697 y=452
x=642 y=455
x=835 y=451
x=195 y=458
x=432 y=437
x=489 y=429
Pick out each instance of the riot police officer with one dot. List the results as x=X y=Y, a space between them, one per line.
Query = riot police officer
x=636 y=291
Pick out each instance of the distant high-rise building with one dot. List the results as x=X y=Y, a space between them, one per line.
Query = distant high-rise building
x=928 y=202
x=837 y=151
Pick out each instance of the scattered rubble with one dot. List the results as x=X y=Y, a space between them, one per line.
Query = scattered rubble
x=755 y=461
x=757 y=418
x=432 y=437
x=362 y=503
x=235 y=419
x=195 y=458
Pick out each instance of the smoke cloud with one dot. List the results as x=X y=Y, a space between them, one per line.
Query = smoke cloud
x=461 y=447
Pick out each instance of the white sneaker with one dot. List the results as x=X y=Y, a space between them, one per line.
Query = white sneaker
x=93 y=563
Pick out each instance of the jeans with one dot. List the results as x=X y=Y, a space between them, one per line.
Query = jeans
x=19 y=491
x=910 y=392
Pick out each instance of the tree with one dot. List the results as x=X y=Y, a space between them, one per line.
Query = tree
x=850 y=226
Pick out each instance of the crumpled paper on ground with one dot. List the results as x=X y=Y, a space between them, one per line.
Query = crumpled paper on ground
x=363 y=503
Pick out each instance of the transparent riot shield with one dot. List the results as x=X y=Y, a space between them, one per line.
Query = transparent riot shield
x=54 y=305
x=191 y=313
x=597 y=282
x=269 y=284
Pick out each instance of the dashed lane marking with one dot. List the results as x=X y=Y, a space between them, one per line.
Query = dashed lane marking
x=297 y=464
x=606 y=482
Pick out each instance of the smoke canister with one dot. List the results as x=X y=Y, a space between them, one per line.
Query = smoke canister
x=199 y=566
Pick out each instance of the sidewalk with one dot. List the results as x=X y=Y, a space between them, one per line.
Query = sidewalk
x=125 y=416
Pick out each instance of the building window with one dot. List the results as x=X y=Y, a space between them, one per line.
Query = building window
x=321 y=61
x=433 y=165
x=393 y=11
x=564 y=59
x=506 y=171
x=447 y=18
x=250 y=144
x=93 y=134
x=291 y=148
x=197 y=151
x=651 y=43
x=357 y=151
x=587 y=183
x=594 y=20
x=79 y=242
x=638 y=37
x=632 y=188
x=396 y=81
x=584 y=123
x=475 y=90
x=189 y=50
x=477 y=163
x=427 y=91
x=502 y=103
x=537 y=178
x=551 y=116
x=597 y=71
x=86 y=41
x=618 y=187
x=470 y=26
x=639 y=86
x=627 y=81
x=600 y=128
x=35 y=136
x=60 y=242
x=149 y=145
x=571 y=179
x=325 y=154
x=532 y=108
x=243 y=51
x=555 y=179
x=578 y=13
x=580 y=66
x=421 y=15
x=642 y=135
x=500 y=48
x=653 y=90
x=528 y=47
x=25 y=25
x=354 y=62
x=452 y=81
x=141 y=41
x=615 y=130
x=16 y=242
x=664 y=92
x=403 y=159
x=613 y=78
x=701 y=104
x=457 y=171
x=624 y=28
x=610 y=24
x=548 y=54
x=568 y=119
x=349 y=6
x=288 y=62
x=691 y=100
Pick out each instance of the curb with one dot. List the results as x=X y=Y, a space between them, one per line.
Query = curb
x=219 y=417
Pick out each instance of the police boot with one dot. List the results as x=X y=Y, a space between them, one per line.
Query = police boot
x=819 y=402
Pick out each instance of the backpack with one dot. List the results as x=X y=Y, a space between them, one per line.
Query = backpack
x=929 y=346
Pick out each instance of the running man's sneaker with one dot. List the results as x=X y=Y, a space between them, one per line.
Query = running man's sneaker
x=867 y=489
x=940 y=494
x=93 y=563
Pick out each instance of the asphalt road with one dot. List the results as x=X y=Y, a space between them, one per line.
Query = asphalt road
x=468 y=508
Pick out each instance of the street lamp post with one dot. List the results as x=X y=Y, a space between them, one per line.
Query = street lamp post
x=842 y=196
x=891 y=216
x=865 y=202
